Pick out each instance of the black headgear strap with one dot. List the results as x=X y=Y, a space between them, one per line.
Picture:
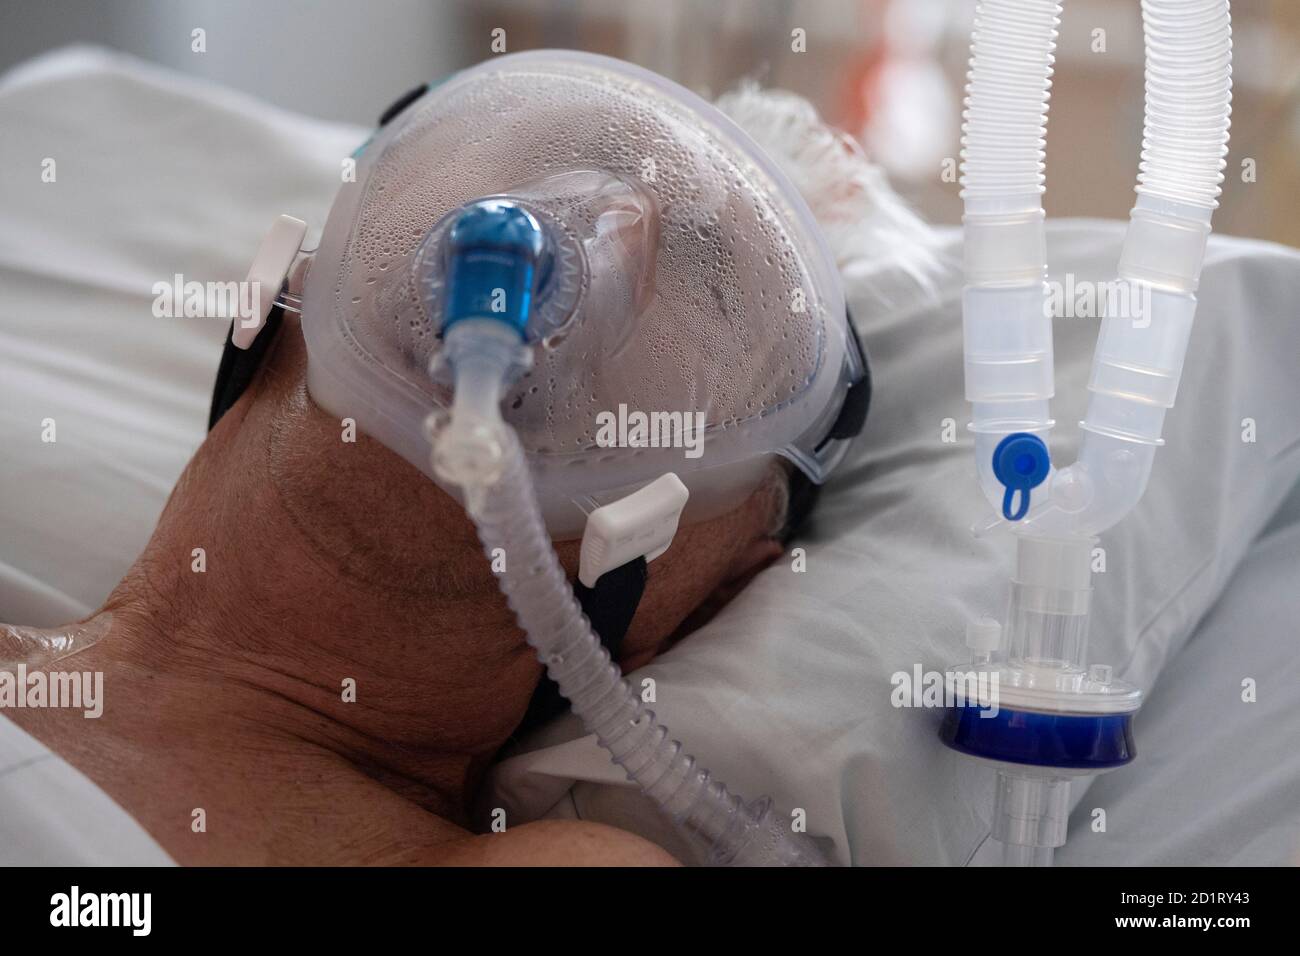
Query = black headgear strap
x=238 y=366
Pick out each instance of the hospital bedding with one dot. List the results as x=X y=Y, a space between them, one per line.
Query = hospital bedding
x=51 y=814
x=1219 y=782
x=153 y=175
x=157 y=174
x=800 y=664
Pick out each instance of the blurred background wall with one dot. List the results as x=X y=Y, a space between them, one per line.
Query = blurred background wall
x=888 y=71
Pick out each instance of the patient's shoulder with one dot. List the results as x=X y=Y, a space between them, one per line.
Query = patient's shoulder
x=553 y=843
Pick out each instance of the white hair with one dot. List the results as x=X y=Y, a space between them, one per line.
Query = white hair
x=870 y=229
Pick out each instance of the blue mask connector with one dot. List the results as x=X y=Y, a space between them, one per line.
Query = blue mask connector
x=495 y=257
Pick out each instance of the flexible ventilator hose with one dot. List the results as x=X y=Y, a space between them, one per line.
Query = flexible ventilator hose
x=538 y=592
x=1007 y=93
x=501 y=501
x=1008 y=336
x=1139 y=357
x=1188 y=99
x=1140 y=350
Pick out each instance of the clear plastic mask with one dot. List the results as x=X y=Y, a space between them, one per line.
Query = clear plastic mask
x=684 y=274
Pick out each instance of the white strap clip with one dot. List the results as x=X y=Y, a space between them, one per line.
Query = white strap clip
x=270 y=266
x=641 y=524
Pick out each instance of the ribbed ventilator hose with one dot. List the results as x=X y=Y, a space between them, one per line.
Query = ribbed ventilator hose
x=1004 y=130
x=1188 y=99
x=507 y=516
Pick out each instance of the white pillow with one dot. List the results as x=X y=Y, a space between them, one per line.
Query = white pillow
x=787 y=692
x=154 y=174
x=1220 y=787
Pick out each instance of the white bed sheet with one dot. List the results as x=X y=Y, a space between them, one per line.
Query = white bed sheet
x=786 y=692
x=51 y=814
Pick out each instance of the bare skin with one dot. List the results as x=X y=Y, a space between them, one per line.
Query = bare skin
x=329 y=560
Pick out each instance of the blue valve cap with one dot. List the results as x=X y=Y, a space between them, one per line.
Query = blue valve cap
x=493 y=255
x=1020 y=462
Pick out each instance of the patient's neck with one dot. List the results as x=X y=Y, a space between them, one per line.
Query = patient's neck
x=237 y=747
x=314 y=710
x=281 y=744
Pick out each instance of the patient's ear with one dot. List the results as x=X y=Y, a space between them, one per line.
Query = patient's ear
x=752 y=530
x=750 y=560
x=706 y=566
x=745 y=565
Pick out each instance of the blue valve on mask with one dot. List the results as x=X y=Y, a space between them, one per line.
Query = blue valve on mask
x=496 y=258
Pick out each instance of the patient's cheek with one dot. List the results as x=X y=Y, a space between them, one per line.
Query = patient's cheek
x=707 y=565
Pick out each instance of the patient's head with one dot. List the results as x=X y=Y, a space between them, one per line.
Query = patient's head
x=683 y=275
x=329 y=559
x=332 y=559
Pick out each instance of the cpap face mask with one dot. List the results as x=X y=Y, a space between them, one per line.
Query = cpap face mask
x=582 y=301
x=680 y=279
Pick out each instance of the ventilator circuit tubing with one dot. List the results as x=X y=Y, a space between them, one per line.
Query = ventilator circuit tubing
x=1008 y=337
x=501 y=501
x=1140 y=350
x=539 y=594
